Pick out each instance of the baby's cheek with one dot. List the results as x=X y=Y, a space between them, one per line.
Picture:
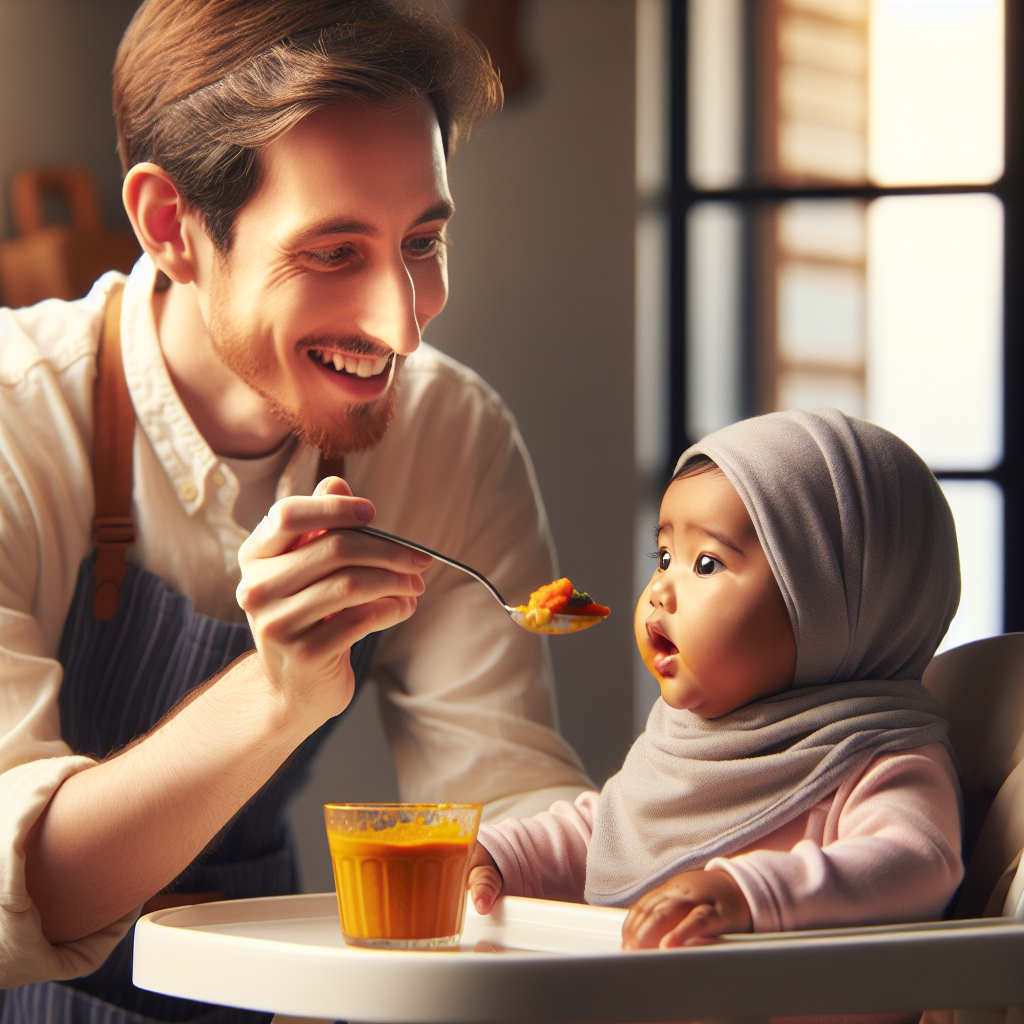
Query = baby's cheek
x=643 y=641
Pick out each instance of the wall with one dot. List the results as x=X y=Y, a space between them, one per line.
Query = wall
x=542 y=307
x=55 y=108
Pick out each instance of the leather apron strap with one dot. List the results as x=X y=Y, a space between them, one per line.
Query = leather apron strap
x=330 y=467
x=113 y=531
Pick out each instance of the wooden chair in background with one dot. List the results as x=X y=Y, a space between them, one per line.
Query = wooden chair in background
x=58 y=260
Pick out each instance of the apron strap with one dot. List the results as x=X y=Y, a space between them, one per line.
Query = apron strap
x=330 y=467
x=113 y=531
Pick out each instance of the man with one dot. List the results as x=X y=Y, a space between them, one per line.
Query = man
x=285 y=176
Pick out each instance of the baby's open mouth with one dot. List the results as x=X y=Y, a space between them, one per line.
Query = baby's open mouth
x=660 y=643
x=354 y=366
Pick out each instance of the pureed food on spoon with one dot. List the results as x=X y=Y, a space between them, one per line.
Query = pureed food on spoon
x=400 y=871
x=558 y=598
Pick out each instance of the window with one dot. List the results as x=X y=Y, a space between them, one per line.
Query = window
x=843 y=204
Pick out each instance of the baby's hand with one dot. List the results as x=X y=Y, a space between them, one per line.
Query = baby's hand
x=485 y=882
x=689 y=907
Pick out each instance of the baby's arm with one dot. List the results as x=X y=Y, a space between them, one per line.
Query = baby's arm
x=544 y=856
x=889 y=852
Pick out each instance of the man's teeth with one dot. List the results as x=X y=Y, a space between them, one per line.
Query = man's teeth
x=355 y=365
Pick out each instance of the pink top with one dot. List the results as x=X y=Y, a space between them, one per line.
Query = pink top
x=884 y=848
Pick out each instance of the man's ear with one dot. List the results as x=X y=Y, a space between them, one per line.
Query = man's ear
x=161 y=222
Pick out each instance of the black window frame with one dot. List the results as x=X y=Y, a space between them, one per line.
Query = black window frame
x=1009 y=474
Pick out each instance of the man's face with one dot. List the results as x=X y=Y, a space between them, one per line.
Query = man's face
x=338 y=264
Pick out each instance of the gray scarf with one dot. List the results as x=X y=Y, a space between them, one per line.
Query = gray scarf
x=863 y=547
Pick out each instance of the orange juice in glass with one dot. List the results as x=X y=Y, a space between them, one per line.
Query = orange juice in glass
x=400 y=871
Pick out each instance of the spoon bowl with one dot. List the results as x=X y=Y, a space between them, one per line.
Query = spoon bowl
x=555 y=626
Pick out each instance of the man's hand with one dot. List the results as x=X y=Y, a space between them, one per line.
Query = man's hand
x=485 y=882
x=311 y=591
x=688 y=908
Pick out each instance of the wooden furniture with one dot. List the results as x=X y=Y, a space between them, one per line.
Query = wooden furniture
x=58 y=260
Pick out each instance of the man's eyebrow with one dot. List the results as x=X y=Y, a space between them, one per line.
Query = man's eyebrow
x=443 y=210
x=331 y=227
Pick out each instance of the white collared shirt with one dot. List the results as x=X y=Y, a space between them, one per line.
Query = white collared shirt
x=467 y=697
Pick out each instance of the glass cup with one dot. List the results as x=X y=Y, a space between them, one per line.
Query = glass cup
x=400 y=871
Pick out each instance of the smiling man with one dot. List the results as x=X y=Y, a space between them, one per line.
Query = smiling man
x=182 y=609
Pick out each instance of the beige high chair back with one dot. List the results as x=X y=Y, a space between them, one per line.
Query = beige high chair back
x=981 y=689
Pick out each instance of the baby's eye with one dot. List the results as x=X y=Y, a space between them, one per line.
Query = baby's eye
x=664 y=560
x=707 y=566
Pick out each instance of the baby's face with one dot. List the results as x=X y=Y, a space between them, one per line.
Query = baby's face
x=712 y=626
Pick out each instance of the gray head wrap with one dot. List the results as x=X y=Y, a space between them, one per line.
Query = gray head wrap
x=863 y=547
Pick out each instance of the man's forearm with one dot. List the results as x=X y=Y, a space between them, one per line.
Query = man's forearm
x=114 y=835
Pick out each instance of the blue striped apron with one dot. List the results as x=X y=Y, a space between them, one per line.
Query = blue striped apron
x=120 y=677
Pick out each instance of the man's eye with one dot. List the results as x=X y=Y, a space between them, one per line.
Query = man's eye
x=419 y=248
x=331 y=257
x=664 y=560
x=707 y=566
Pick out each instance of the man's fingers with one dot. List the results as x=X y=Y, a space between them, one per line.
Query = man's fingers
x=291 y=518
x=332 y=485
x=288 y=617
x=271 y=579
x=351 y=625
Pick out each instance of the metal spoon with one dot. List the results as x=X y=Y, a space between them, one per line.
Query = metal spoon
x=557 y=624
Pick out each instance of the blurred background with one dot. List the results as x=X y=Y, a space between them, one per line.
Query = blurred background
x=690 y=211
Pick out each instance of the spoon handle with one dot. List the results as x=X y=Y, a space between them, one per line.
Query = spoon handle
x=479 y=577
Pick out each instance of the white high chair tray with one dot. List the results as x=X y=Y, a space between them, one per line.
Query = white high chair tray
x=532 y=960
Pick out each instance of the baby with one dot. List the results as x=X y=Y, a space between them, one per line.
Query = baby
x=795 y=773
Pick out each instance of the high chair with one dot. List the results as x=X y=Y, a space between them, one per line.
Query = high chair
x=562 y=962
x=981 y=689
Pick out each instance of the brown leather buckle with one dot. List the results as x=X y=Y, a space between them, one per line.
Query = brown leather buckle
x=119 y=530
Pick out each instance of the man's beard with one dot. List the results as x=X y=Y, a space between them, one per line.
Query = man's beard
x=355 y=428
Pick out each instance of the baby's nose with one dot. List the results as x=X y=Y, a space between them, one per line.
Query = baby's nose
x=661 y=591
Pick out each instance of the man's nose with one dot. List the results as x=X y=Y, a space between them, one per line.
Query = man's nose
x=388 y=307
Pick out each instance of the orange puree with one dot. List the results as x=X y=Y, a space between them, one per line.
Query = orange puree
x=403 y=882
x=559 y=598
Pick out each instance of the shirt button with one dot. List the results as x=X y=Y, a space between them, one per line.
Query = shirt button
x=189 y=492
x=218 y=479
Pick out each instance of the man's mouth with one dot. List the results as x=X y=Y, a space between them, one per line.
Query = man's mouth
x=352 y=365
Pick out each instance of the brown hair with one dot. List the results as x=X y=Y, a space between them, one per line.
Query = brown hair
x=201 y=85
